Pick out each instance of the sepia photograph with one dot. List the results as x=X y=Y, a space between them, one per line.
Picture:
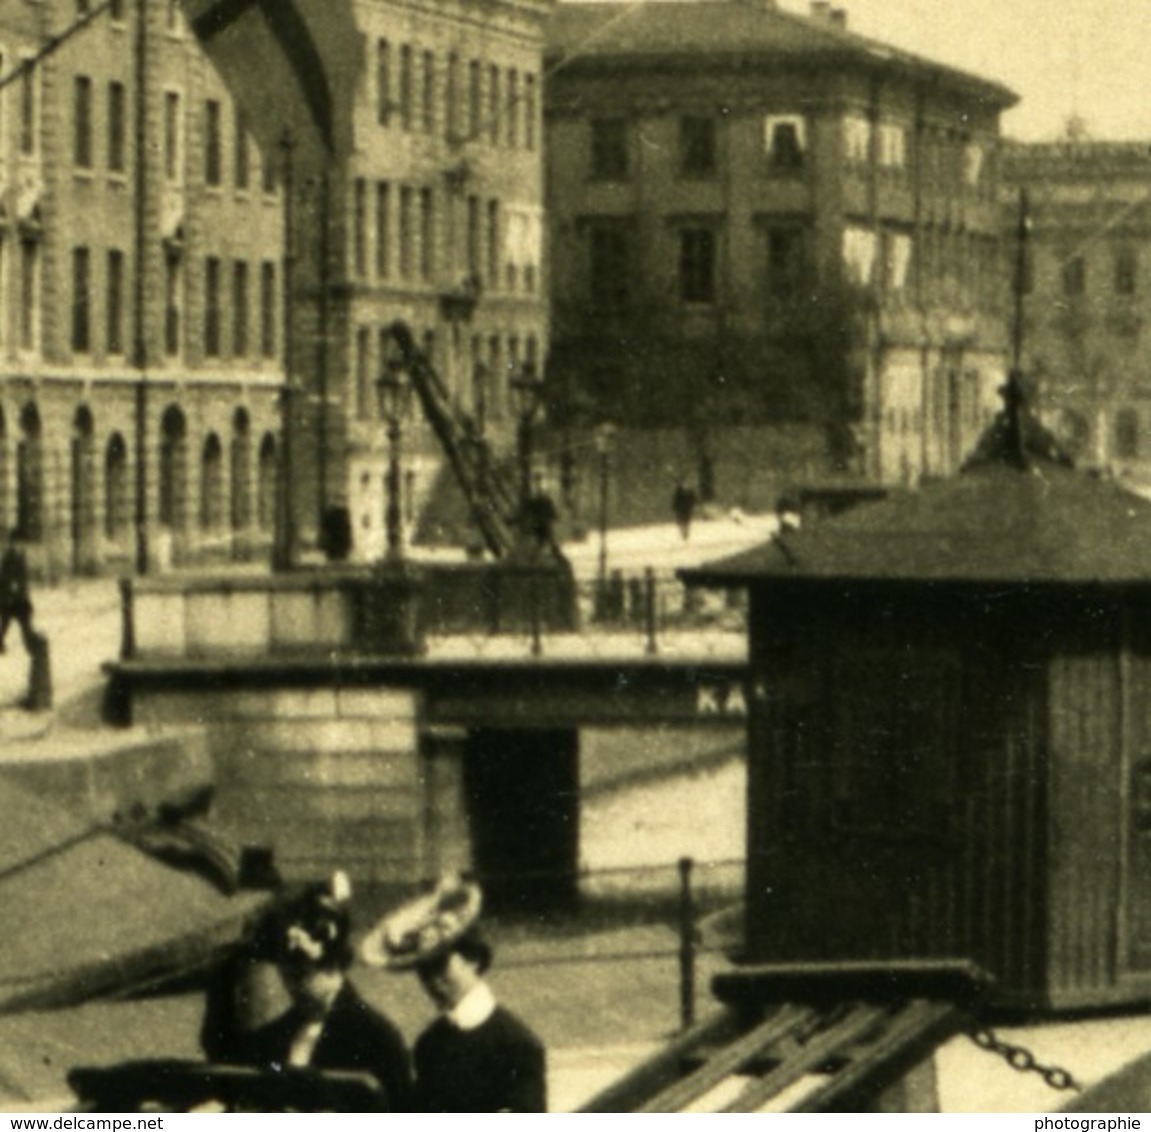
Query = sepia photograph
x=575 y=556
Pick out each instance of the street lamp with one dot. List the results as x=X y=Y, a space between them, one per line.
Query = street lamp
x=604 y=446
x=394 y=391
x=527 y=396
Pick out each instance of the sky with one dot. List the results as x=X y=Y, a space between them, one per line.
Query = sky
x=1088 y=58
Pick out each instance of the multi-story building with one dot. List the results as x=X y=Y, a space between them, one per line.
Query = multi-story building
x=1086 y=294
x=427 y=208
x=760 y=216
x=140 y=308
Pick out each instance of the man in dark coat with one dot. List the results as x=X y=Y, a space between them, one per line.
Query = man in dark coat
x=328 y=1025
x=477 y=1056
x=15 y=601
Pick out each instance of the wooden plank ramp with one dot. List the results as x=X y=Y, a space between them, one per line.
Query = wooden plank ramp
x=808 y=1038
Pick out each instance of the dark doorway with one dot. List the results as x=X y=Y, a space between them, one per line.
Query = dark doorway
x=522 y=791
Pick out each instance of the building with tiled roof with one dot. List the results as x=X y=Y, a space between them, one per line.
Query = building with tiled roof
x=761 y=216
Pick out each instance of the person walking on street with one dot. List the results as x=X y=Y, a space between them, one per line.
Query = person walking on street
x=477 y=1056
x=15 y=599
x=683 y=507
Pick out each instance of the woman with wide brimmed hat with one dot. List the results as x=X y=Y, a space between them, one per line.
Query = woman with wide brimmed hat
x=477 y=1056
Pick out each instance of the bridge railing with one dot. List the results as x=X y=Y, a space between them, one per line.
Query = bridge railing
x=642 y=613
x=533 y=613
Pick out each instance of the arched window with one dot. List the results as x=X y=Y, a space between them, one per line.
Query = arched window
x=266 y=487
x=83 y=492
x=30 y=475
x=241 y=510
x=173 y=469
x=212 y=484
x=116 y=519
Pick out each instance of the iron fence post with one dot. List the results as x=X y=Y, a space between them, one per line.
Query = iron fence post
x=127 y=619
x=534 y=614
x=686 y=945
x=649 y=610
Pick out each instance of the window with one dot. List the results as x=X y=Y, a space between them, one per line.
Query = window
x=114 y=303
x=474 y=99
x=609 y=257
x=81 y=301
x=697 y=147
x=82 y=123
x=857 y=139
x=1126 y=270
x=892 y=146
x=530 y=111
x=359 y=225
x=212 y=169
x=494 y=109
x=786 y=261
x=973 y=164
x=1127 y=434
x=268 y=310
x=29 y=294
x=405 y=233
x=859 y=253
x=406 y=87
x=452 y=98
x=173 y=304
x=513 y=110
x=241 y=155
x=697 y=265
x=494 y=104
x=239 y=308
x=383 y=229
x=383 y=82
x=29 y=108
x=212 y=307
x=173 y=137
x=609 y=156
x=363 y=373
x=1074 y=275
x=493 y=243
x=428 y=97
x=173 y=20
x=116 y=11
x=473 y=237
x=897 y=249
x=785 y=138
x=117 y=127
x=268 y=174
x=427 y=234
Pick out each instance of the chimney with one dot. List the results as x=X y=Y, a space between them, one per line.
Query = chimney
x=839 y=18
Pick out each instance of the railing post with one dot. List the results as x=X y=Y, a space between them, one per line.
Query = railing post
x=534 y=614
x=687 y=942
x=649 y=610
x=127 y=619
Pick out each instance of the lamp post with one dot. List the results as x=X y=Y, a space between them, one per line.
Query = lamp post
x=604 y=446
x=527 y=395
x=395 y=392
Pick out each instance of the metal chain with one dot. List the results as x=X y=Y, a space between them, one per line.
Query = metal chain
x=1023 y=1060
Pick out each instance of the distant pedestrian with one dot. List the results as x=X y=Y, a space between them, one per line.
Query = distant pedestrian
x=540 y=517
x=15 y=599
x=477 y=1056
x=683 y=507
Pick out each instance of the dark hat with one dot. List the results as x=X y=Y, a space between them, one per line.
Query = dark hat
x=425 y=928
x=314 y=929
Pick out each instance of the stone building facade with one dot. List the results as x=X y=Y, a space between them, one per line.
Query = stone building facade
x=760 y=216
x=1087 y=294
x=140 y=306
x=435 y=218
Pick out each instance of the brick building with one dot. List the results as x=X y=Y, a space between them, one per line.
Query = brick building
x=1087 y=297
x=140 y=309
x=757 y=216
